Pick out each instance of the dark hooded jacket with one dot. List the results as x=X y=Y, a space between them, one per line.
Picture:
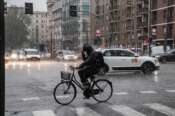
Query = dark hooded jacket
x=89 y=59
x=88 y=49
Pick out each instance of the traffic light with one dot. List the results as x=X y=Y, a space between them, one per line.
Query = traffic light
x=73 y=11
x=28 y=8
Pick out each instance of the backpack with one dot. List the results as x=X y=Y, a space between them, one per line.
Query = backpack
x=103 y=67
x=99 y=59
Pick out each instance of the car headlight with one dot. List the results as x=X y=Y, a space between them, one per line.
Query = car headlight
x=75 y=57
x=66 y=57
x=14 y=56
x=21 y=57
x=156 y=60
x=157 y=56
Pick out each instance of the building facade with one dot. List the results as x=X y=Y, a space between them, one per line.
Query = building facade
x=69 y=32
x=122 y=22
x=57 y=24
x=75 y=30
x=163 y=22
x=39 y=28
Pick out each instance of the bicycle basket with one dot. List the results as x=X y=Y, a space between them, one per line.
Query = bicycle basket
x=65 y=76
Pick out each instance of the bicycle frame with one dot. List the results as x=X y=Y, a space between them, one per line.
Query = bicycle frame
x=75 y=81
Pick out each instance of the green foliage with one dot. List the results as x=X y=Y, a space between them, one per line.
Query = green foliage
x=16 y=30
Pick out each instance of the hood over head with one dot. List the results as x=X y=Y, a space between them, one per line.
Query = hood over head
x=88 y=48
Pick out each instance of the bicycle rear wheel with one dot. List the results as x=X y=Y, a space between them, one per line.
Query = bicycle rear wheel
x=105 y=90
x=64 y=93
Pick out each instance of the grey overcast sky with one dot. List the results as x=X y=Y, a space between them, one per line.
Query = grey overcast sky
x=38 y=5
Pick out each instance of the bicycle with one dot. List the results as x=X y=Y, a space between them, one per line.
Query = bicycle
x=65 y=91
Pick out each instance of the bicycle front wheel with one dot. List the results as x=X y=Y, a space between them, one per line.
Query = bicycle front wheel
x=105 y=90
x=64 y=93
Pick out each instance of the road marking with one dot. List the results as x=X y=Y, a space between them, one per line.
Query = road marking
x=161 y=108
x=30 y=98
x=126 y=111
x=84 y=111
x=121 y=93
x=62 y=96
x=148 y=92
x=170 y=91
x=43 y=113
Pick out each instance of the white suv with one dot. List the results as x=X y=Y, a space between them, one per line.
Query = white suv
x=32 y=54
x=124 y=59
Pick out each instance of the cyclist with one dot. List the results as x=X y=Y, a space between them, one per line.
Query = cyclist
x=90 y=66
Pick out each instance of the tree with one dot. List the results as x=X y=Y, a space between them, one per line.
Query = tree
x=16 y=30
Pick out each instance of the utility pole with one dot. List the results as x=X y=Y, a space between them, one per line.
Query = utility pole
x=135 y=22
x=149 y=27
x=51 y=52
x=166 y=30
x=2 y=73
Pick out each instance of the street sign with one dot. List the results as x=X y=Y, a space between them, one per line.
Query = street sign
x=98 y=32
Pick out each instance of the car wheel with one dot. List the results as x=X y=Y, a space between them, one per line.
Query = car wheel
x=147 y=68
x=163 y=60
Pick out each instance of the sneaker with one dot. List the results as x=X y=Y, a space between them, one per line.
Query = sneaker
x=87 y=93
x=95 y=91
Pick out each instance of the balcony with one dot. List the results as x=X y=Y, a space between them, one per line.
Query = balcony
x=170 y=2
x=129 y=3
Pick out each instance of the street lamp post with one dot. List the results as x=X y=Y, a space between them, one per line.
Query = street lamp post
x=165 y=41
x=138 y=38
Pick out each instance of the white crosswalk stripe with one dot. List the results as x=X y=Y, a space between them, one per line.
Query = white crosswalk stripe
x=161 y=108
x=170 y=91
x=85 y=111
x=126 y=111
x=121 y=93
x=148 y=92
x=44 y=113
x=30 y=98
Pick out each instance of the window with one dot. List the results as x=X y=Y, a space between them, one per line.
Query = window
x=125 y=53
x=109 y=53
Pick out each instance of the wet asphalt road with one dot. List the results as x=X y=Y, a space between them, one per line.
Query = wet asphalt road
x=29 y=87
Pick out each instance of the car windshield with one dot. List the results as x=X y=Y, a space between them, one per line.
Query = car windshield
x=32 y=52
x=170 y=51
x=69 y=53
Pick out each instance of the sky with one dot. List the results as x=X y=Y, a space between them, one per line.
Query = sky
x=38 y=5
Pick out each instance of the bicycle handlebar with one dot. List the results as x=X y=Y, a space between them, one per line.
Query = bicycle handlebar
x=72 y=68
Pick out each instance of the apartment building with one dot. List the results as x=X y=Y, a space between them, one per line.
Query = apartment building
x=68 y=32
x=163 y=22
x=52 y=43
x=122 y=22
x=39 y=28
x=100 y=20
x=57 y=23
x=75 y=30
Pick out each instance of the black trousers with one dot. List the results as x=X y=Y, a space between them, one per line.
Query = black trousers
x=86 y=72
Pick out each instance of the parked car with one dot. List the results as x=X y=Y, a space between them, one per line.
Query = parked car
x=67 y=55
x=31 y=54
x=158 y=50
x=125 y=59
x=167 y=57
